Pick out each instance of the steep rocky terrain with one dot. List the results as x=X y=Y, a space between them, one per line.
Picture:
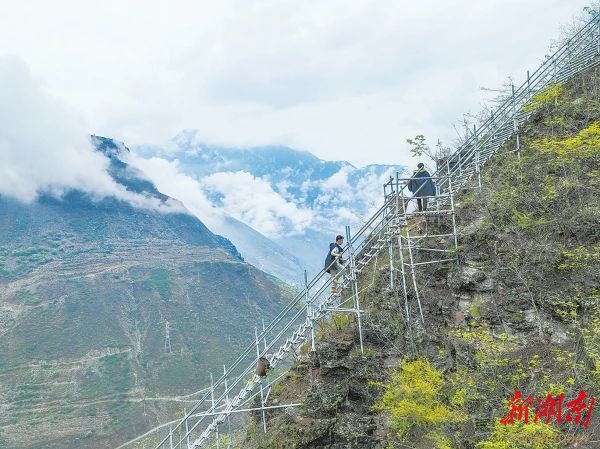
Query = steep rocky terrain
x=519 y=311
x=87 y=287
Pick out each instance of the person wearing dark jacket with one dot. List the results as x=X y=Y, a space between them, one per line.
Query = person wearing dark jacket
x=334 y=262
x=421 y=186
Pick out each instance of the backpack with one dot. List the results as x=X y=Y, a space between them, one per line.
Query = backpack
x=329 y=258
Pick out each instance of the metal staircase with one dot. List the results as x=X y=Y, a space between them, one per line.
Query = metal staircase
x=294 y=325
x=290 y=329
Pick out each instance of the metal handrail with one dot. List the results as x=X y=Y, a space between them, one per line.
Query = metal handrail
x=299 y=300
x=584 y=42
x=299 y=334
x=501 y=123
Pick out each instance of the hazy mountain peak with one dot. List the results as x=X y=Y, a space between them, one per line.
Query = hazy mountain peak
x=282 y=193
x=109 y=147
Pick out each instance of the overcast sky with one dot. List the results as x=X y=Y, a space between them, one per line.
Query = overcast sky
x=343 y=79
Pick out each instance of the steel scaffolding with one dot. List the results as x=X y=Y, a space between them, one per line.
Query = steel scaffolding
x=420 y=237
x=395 y=228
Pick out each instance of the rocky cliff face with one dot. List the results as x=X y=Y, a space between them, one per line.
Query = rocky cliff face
x=518 y=311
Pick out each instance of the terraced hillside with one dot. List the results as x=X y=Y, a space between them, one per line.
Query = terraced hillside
x=86 y=289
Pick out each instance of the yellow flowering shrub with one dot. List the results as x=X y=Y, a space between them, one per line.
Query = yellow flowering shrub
x=549 y=96
x=413 y=398
x=522 y=436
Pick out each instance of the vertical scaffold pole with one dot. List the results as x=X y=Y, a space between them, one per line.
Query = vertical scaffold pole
x=229 y=436
x=212 y=402
x=413 y=273
x=438 y=205
x=395 y=229
x=448 y=172
x=598 y=20
x=451 y=193
x=187 y=429
x=404 y=226
x=389 y=233
x=404 y=202
x=403 y=274
x=493 y=126
x=309 y=312
x=515 y=124
x=262 y=396
x=354 y=283
x=264 y=334
x=477 y=161
x=385 y=191
x=171 y=437
x=396 y=201
x=397 y=194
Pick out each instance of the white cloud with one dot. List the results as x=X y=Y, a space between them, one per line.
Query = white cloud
x=341 y=201
x=253 y=201
x=370 y=192
x=44 y=146
x=266 y=206
x=242 y=196
x=347 y=80
x=338 y=180
x=165 y=175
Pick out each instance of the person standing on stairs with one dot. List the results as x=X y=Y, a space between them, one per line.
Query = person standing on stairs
x=421 y=186
x=334 y=263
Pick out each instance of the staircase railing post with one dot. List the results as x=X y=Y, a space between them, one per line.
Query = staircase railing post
x=354 y=282
x=264 y=334
x=389 y=230
x=598 y=34
x=454 y=232
x=229 y=436
x=187 y=429
x=515 y=124
x=397 y=211
x=212 y=401
x=403 y=274
x=409 y=245
x=262 y=396
x=309 y=312
x=493 y=127
x=477 y=161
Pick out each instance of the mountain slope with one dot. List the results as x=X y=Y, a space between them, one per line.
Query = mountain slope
x=520 y=312
x=87 y=287
x=265 y=254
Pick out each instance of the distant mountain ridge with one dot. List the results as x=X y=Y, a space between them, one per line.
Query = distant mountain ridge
x=316 y=198
x=263 y=159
